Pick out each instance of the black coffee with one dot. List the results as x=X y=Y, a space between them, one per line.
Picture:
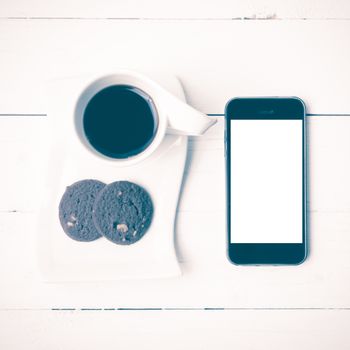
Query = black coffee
x=120 y=121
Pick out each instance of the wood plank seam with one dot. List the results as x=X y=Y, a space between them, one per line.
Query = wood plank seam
x=208 y=114
x=183 y=309
x=201 y=309
x=272 y=17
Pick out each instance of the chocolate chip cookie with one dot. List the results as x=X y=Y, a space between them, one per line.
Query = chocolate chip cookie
x=123 y=212
x=75 y=210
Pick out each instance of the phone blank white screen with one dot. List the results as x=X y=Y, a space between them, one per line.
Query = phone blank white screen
x=266 y=181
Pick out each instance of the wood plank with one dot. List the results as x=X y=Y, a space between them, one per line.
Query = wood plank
x=215 y=60
x=67 y=47
x=208 y=279
x=23 y=153
x=24 y=149
x=180 y=9
x=297 y=329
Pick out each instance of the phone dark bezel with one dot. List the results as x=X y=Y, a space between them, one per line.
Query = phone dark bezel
x=264 y=108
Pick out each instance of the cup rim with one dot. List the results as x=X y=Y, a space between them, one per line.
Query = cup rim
x=122 y=78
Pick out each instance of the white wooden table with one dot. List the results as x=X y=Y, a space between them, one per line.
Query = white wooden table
x=219 y=50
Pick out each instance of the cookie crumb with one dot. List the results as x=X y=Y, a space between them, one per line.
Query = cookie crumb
x=122 y=228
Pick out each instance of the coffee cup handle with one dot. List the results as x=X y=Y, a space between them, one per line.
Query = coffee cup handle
x=185 y=120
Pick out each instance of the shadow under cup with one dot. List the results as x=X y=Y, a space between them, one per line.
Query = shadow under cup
x=119 y=121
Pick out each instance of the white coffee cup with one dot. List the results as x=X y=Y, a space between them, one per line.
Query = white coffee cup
x=173 y=115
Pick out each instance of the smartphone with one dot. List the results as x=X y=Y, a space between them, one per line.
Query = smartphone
x=265 y=151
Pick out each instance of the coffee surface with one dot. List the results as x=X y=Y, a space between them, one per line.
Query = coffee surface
x=120 y=121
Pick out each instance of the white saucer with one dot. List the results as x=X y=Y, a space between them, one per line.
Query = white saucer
x=154 y=256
